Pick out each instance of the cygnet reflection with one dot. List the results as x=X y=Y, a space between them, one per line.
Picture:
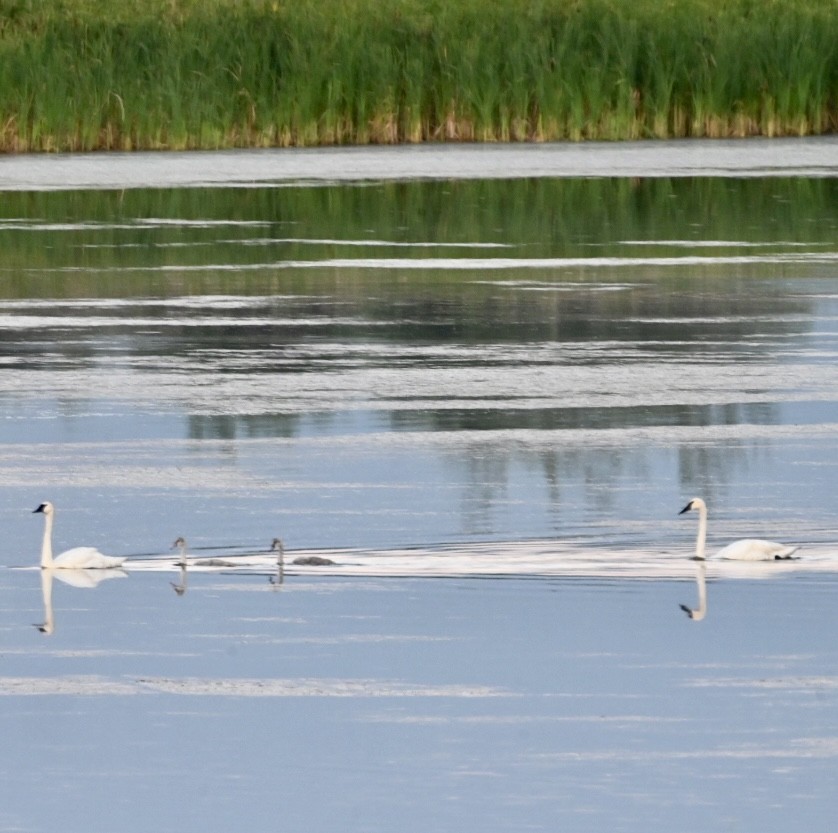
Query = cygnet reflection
x=180 y=587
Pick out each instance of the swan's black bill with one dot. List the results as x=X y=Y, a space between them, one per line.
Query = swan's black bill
x=686 y=508
x=41 y=508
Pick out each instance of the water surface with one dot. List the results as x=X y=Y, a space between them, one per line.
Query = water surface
x=485 y=400
x=419 y=363
x=812 y=156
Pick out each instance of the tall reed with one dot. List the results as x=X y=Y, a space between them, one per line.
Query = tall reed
x=81 y=75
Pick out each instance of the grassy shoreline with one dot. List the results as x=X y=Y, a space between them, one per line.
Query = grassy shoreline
x=79 y=75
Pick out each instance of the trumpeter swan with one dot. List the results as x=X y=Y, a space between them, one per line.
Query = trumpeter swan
x=747 y=549
x=78 y=558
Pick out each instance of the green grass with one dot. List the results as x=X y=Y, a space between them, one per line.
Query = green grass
x=83 y=75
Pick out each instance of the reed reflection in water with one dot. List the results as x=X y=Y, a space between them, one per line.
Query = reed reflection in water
x=446 y=360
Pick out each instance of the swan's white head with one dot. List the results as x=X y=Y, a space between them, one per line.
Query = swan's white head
x=179 y=543
x=45 y=508
x=277 y=545
x=696 y=503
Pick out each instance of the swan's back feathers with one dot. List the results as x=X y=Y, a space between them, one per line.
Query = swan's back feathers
x=86 y=558
x=755 y=549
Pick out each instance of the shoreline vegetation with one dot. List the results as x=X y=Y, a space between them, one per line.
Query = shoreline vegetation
x=81 y=75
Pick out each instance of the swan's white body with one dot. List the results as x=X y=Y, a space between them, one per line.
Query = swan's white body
x=78 y=558
x=756 y=549
x=746 y=549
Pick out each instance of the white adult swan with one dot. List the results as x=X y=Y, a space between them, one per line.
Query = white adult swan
x=78 y=558
x=746 y=549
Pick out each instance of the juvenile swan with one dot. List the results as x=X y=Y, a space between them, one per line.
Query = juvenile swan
x=747 y=549
x=78 y=558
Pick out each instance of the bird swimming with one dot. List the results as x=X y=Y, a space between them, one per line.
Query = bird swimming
x=78 y=558
x=746 y=549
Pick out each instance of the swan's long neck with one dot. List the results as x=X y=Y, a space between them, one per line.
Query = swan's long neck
x=701 y=540
x=46 y=546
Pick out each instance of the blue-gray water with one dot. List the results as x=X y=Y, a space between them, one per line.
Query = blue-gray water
x=486 y=399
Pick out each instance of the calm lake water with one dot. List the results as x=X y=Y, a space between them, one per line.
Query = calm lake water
x=485 y=399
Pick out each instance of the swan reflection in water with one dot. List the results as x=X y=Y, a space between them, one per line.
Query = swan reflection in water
x=180 y=587
x=698 y=613
x=75 y=578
